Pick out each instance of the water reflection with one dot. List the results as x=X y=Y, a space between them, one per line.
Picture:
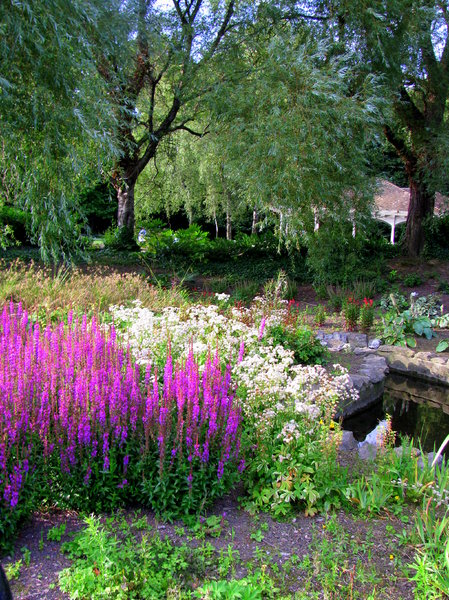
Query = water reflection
x=418 y=409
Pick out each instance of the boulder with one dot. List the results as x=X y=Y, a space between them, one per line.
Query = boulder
x=348 y=442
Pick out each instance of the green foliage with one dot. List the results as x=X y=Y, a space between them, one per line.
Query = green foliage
x=431 y=562
x=18 y=221
x=426 y=306
x=334 y=256
x=412 y=280
x=394 y=301
x=57 y=123
x=399 y=329
x=302 y=341
x=99 y=206
x=437 y=234
x=336 y=296
x=189 y=245
x=119 y=238
x=295 y=467
x=399 y=326
x=12 y=571
x=442 y=346
x=169 y=493
x=366 y=314
x=320 y=315
x=106 y=564
x=55 y=533
x=351 y=313
x=244 y=291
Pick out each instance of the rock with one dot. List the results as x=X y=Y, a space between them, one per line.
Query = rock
x=376 y=436
x=431 y=456
x=367 y=451
x=348 y=442
x=374 y=344
x=357 y=340
x=334 y=345
x=362 y=351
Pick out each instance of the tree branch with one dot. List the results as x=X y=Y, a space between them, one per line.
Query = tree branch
x=404 y=153
x=224 y=26
x=184 y=127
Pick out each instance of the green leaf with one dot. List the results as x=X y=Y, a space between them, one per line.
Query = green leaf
x=442 y=346
x=411 y=342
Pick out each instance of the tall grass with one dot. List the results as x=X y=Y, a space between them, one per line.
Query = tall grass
x=92 y=290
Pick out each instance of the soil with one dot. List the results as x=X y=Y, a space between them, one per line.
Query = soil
x=372 y=541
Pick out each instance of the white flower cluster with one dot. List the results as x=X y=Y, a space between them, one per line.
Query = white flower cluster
x=289 y=432
x=267 y=373
x=198 y=326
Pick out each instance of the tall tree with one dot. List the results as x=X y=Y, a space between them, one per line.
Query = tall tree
x=294 y=131
x=55 y=123
x=407 y=43
x=157 y=73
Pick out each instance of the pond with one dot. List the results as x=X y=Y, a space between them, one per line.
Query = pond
x=418 y=409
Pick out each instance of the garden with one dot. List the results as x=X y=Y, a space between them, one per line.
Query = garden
x=165 y=441
x=215 y=218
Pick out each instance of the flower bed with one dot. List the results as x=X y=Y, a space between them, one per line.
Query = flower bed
x=81 y=427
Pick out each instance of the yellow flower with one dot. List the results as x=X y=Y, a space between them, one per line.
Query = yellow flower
x=391 y=556
x=321 y=422
x=396 y=498
x=332 y=425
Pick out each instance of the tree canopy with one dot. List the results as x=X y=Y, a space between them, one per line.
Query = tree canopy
x=219 y=107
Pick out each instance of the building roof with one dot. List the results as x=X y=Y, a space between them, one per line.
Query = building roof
x=394 y=199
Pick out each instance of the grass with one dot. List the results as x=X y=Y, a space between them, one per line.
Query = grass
x=53 y=292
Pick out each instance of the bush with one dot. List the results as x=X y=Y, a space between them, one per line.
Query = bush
x=436 y=230
x=306 y=348
x=190 y=244
x=295 y=466
x=351 y=312
x=412 y=280
x=335 y=257
x=18 y=220
x=99 y=206
x=120 y=238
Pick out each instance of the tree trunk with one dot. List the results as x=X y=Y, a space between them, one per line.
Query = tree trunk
x=125 y=214
x=228 y=225
x=254 y=223
x=421 y=206
x=228 y=216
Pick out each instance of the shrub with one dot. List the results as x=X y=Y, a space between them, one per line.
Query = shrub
x=320 y=315
x=306 y=348
x=366 y=314
x=351 y=312
x=120 y=238
x=99 y=206
x=335 y=257
x=412 y=280
x=295 y=466
x=18 y=220
x=436 y=235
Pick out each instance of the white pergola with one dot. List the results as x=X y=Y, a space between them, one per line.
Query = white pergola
x=392 y=218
